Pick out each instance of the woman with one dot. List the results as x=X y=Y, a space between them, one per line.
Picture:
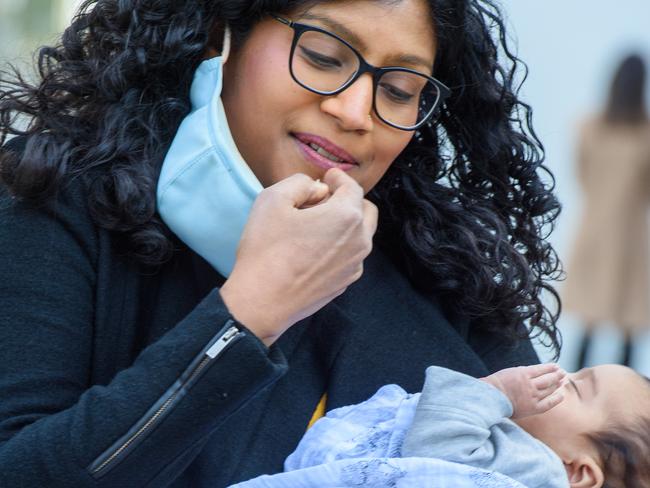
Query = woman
x=128 y=360
x=607 y=277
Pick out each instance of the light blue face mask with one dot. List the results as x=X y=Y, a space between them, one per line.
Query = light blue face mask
x=206 y=189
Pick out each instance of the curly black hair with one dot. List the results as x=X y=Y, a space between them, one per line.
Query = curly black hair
x=465 y=210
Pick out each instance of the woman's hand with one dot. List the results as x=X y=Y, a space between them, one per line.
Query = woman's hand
x=303 y=245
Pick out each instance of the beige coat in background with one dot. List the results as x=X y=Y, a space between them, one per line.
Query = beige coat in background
x=607 y=273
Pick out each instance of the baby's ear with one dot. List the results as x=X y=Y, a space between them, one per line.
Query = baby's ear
x=584 y=472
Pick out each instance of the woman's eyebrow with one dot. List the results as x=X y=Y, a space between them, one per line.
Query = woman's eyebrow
x=411 y=59
x=342 y=31
x=338 y=29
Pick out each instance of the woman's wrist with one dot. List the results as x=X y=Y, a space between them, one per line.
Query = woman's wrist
x=261 y=320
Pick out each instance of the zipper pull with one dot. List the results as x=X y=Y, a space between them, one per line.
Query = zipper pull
x=222 y=342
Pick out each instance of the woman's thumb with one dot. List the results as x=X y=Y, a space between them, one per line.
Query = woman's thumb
x=320 y=193
x=301 y=190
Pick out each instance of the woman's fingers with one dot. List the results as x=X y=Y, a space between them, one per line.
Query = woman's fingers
x=303 y=244
x=299 y=189
x=342 y=186
x=320 y=195
x=370 y=215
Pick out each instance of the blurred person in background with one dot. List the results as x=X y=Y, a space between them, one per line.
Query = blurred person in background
x=607 y=274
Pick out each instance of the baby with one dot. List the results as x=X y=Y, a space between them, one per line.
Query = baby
x=536 y=424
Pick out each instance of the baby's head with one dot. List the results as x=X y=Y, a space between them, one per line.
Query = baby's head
x=601 y=430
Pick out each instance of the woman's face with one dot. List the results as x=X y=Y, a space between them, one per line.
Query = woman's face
x=266 y=108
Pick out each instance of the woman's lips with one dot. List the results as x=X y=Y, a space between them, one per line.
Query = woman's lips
x=303 y=142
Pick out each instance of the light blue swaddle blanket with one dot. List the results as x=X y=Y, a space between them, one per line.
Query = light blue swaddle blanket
x=360 y=446
x=384 y=473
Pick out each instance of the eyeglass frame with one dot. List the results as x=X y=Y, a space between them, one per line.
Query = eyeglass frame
x=364 y=67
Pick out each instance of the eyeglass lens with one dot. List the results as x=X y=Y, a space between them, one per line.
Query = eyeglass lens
x=325 y=64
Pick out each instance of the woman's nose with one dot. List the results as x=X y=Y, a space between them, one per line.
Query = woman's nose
x=353 y=106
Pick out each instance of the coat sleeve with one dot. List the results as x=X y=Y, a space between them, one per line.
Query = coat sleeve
x=464 y=420
x=146 y=425
x=454 y=418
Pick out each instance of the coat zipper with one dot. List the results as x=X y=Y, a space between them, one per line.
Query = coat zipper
x=100 y=466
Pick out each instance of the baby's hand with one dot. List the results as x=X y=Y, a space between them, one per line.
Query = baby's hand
x=531 y=389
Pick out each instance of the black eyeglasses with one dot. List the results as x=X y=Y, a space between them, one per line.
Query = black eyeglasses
x=323 y=63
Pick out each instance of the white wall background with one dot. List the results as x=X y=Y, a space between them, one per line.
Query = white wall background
x=572 y=48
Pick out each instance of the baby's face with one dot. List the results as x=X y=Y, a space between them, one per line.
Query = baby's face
x=592 y=397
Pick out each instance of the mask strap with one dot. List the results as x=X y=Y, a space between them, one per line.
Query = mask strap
x=225 y=50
